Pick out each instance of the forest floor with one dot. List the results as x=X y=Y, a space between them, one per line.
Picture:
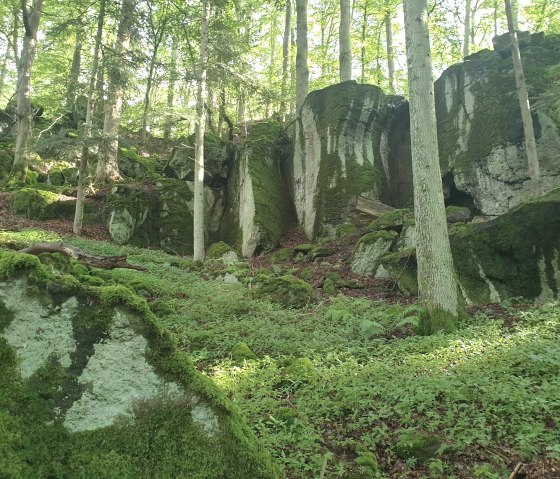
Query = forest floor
x=341 y=384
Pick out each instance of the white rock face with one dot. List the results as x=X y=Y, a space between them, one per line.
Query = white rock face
x=367 y=255
x=119 y=383
x=37 y=331
x=249 y=230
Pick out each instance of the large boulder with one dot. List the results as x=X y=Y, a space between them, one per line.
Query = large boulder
x=344 y=148
x=480 y=131
x=160 y=214
x=92 y=386
x=259 y=208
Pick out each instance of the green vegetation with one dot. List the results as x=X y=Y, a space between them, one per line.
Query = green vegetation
x=346 y=381
x=34 y=204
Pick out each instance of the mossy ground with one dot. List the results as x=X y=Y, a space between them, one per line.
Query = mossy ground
x=322 y=385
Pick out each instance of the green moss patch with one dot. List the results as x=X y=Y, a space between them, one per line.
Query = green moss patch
x=287 y=290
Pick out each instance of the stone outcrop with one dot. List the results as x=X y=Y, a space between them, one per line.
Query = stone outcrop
x=343 y=148
x=91 y=383
x=480 y=131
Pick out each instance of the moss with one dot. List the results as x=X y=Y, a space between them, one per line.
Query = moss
x=304 y=248
x=36 y=444
x=419 y=445
x=34 y=204
x=402 y=267
x=394 y=220
x=368 y=465
x=217 y=250
x=456 y=214
x=242 y=352
x=300 y=370
x=329 y=286
x=432 y=320
x=282 y=255
x=307 y=273
x=347 y=229
x=373 y=237
x=287 y=290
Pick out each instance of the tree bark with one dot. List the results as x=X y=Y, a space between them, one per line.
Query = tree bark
x=4 y=69
x=302 y=70
x=344 y=39
x=530 y=143
x=467 y=31
x=107 y=166
x=286 y=56
x=390 y=51
x=198 y=217
x=436 y=281
x=364 y=40
x=24 y=116
x=74 y=76
x=171 y=89
x=83 y=171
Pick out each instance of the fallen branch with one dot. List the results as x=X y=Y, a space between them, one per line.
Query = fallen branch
x=516 y=471
x=103 y=262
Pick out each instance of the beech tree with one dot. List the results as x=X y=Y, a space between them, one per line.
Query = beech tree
x=302 y=69
x=344 y=40
x=31 y=15
x=107 y=166
x=198 y=216
x=437 y=288
x=528 y=130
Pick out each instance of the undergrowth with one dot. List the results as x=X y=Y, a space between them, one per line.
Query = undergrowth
x=338 y=384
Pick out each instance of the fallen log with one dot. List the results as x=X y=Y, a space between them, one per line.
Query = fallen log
x=103 y=262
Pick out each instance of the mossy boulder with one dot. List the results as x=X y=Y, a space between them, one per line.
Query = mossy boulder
x=103 y=391
x=342 y=151
x=34 y=204
x=393 y=220
x=286 y=290
x=260 y=209
x=457 y=214
x=136 y=164
x=242 y=352
x=480 y=131
x=418 y=445
x=369 y=251
x=402 y=268
x=217 y=250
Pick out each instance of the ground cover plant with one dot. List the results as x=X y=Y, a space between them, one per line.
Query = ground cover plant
x=344 y=388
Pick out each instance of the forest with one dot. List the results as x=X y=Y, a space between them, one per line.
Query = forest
x=265 y=239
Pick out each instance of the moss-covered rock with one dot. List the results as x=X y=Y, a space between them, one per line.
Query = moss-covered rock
x=402 y=268
x=34 y=204
x=287 y=290
x=394 y=220
x=418 y=445
x=103 y=392
x=217 y=250
x=480 y=131
x=260 y=208
x=457 y=214
x=342 y=150
x=242 y=352
x=369 y=251
x=135 y=164
x=368 y=465
x=282 y=255
x=329 y=286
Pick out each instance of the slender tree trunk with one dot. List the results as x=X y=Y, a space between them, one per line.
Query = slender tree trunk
x=4 y=69
x=15 y=35
x=514 y=7
x=530 y=143
x=467 y=32
x=75 y=71
x=344 y=38
x=302 y=70
x=364 y=40
x=198 y=219
x=24 y=117
x=286 y=56
x=390 y=51
x=496 y=3
x=107 y=166
x=82 y=178
x=436 y=280
x=147 y=95
x=171 y=89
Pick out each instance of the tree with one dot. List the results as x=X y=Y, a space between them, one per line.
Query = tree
x=302 y=70
x=24 y=120
x=286 y=55
x=107 y=166
x=344 y=39
x=80 y=197
x=467 y=32
x=436 y=281
x=530 y=143
x=390 y=50
x=198 y=217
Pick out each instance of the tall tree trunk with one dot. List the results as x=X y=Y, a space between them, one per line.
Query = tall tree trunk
x=530 y=143
x=107 y=166
x=436 y=280
x=286 y=56
x=364 y=40
x=82 y=178
x=344 y=38
x=74 y=76
x=198 y=217
x=302 y=70
x=467 y=32
x=514 y=7
x=24 y=116
x=15 y=34
x=147 y=94
x=171 y=89
x=496 y=3
x=390 y=51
